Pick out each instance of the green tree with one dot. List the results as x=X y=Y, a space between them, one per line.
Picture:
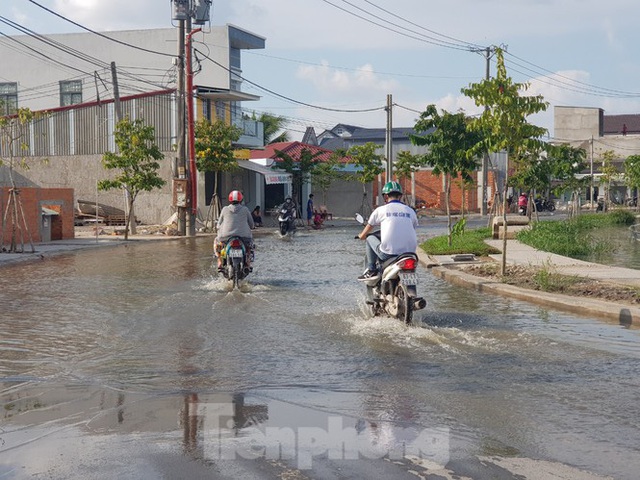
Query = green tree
x=136 y=165
x=632 y=172
x=567 y=162
x=273 y=128
x=449 y=140
x=369 y=165
x=608 y=173
x=405 y=165
x=325 y=173
x=214 y=152
x=300 y=169
x=14 y=134
x=503 y=125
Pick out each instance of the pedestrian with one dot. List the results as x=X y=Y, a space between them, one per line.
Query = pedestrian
x=310 y=209
x=257 y=216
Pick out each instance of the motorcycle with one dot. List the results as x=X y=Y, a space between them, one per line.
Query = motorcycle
x=543 y=204
x=234 y=256
x=286 y=221
x=394 y=291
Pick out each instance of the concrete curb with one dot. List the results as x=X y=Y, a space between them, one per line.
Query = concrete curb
x=623 y=314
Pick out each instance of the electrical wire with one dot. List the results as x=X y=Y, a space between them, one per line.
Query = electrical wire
x=98 y=33
x=289 y=99
x=420 y=37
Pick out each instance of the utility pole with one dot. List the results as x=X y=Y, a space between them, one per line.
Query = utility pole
x=488 y=53
x=193 y=174
x=182 y=159
x=116 y=92
x=389 y=138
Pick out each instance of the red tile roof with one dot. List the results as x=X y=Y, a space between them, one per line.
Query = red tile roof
x=293 y=149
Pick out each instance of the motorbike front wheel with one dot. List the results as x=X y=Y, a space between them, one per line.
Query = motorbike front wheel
x=373 y=308
x=405 y=304
x=284 y=228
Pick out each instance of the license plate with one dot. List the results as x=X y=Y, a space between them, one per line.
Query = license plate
x=408 y=278
x=235 y=253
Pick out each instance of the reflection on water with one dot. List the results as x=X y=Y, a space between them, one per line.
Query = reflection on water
x=625 y=251
x=107 y=352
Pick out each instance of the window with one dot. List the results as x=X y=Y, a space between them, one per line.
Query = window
x=206 y=109
x=8 y=98
x=70 y=92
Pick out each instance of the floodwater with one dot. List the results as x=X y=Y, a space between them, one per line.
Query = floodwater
x=625 y=250
x=138 y=362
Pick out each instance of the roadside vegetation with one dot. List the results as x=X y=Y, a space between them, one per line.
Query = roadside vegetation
x=571 y=238
x=467 y=241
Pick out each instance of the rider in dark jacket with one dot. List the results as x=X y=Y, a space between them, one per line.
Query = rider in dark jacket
x=235 y=221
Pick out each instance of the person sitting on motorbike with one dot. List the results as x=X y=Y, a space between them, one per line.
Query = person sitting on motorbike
x=522 y=202
x=290 y=206
x=235 y=221
x=397 y=223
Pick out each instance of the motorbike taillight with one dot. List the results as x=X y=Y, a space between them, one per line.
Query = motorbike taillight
x=236 y=243
x=408 y=264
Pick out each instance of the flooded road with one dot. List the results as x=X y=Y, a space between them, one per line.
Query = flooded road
x=138 y=362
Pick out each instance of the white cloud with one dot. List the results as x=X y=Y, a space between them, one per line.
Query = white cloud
x=361 y=82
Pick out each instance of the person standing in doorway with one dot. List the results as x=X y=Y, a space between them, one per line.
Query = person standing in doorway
x=310 y=209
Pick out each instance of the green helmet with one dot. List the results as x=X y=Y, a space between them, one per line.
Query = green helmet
x=391 y=187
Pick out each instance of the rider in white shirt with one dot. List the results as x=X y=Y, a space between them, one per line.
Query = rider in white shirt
x=397 y=223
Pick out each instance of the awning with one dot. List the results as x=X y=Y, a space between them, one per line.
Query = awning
x=48 y=211
x=271 y=177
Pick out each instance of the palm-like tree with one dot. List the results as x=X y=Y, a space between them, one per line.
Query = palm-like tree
x=273 y=128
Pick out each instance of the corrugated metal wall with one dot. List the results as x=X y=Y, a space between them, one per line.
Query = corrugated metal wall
x=88 y=130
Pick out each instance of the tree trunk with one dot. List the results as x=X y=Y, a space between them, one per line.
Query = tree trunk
x=447 y=199
x=503 y=265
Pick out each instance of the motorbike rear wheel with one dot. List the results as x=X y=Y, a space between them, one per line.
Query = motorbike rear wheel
x=405 y=304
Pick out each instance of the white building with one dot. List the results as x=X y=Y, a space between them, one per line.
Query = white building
x=71 y=77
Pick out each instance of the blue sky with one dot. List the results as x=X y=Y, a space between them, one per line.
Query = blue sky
x=349 y=54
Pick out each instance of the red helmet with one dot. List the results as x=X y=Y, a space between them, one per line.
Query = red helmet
x=235 y=196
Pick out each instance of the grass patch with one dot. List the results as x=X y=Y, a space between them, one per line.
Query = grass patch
x=569 y=238
x=547 y=280
x=468 y=241
x=572 y=238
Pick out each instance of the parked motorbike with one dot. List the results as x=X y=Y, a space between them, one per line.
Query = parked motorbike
x=286 y=220
x=394 y=292
x=234 y=256
x=545 y=205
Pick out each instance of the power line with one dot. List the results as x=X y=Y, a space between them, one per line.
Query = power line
x=473 y=45
x=604 y=89
x=420 y=37
x=289 y=99
x=98 y=33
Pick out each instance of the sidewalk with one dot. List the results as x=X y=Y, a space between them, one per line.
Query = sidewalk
x=521 y=254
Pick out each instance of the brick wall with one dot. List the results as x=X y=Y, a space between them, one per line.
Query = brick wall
x=430 y=192
x=33 y=199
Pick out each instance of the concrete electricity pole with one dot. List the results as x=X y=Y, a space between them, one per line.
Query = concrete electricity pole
x=181 y=151
x=389 y=138
x=488 y=53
